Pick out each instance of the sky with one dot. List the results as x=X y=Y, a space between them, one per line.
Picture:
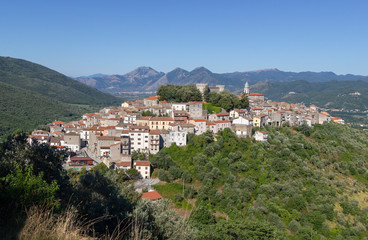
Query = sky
x=114 y=37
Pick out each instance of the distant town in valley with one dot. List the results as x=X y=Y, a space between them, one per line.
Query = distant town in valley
x=116 y=135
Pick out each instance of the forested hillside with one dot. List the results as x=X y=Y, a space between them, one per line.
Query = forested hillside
x=303 y=183
x=31 y=94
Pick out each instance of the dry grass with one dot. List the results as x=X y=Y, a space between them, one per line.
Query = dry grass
x=42 y=224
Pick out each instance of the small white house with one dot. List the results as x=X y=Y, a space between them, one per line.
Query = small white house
x=144 y=168
x=261 y=136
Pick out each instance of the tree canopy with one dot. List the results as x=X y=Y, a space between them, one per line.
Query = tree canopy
x=179 y=93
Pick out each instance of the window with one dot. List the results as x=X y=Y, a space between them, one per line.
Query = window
x=146 y=172
x=146 y=168
x=139 y=168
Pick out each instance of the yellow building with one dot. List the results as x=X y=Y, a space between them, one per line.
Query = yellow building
x=158 y=123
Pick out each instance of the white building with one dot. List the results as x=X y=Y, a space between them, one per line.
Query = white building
x=243 y=121
x=144 y=168
x=261 y=136
x=139 y=138
x=200 y=126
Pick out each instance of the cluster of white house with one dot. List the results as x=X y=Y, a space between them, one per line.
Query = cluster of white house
x=114 y=133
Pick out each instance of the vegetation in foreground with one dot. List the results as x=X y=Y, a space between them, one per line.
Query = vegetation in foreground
x=304 y=183
x=42 y=201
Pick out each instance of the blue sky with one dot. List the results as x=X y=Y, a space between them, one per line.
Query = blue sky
x=114 y=37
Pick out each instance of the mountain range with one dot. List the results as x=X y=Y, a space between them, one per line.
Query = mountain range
x=145 y=79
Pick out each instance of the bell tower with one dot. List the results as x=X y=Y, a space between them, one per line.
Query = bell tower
x=246 y=88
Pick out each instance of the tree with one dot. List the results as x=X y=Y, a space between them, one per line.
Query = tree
x=206 y=93
x=244 y=101
x=133 y=173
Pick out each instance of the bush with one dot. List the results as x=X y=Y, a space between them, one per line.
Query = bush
x=294 y=226
x=189 y=191
x=161 y=175
x=187 y=177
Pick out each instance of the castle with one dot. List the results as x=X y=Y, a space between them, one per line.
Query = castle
x=217 y=88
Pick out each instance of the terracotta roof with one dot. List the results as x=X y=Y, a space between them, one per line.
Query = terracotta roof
x=57 y=122
x=199 y=120
x=144 y=118
x=154 y=195
x=210 y=123
x=142 y=163
x=222 y=114
x=223 y=121
x=154 y=132
x=263 y=132
x=124 y=164
x=163 y=102
x=152 y=98
x=255 y=94
x=80 y=158
x=108 y=127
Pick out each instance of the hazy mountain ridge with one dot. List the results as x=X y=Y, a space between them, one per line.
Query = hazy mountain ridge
x=148 y=79
x=331 y=94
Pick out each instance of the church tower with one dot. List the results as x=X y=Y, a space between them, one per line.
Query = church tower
x=246 y=88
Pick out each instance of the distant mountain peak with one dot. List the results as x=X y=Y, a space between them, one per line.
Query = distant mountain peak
x=200 y=68
x=143 y=70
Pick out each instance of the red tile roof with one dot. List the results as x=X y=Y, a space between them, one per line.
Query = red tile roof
x=255 y=94
x=144 y=118
x=124 y=164
x=80 y=158
x=142 y=163
x=154 y=132
x=223 y=121
x=154 y=195
x=222 y=114
x=152 y=98
x=57 y=122
x=199 y=120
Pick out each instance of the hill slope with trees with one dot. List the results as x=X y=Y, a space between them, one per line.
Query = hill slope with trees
x=31 y=94
x=302 y=183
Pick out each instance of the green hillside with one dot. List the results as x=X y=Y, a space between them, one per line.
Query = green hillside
x=25 y=110
x=47 y=82
x=303 y=183
x=31 y=95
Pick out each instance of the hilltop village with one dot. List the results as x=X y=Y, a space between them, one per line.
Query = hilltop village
x=116 y=135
